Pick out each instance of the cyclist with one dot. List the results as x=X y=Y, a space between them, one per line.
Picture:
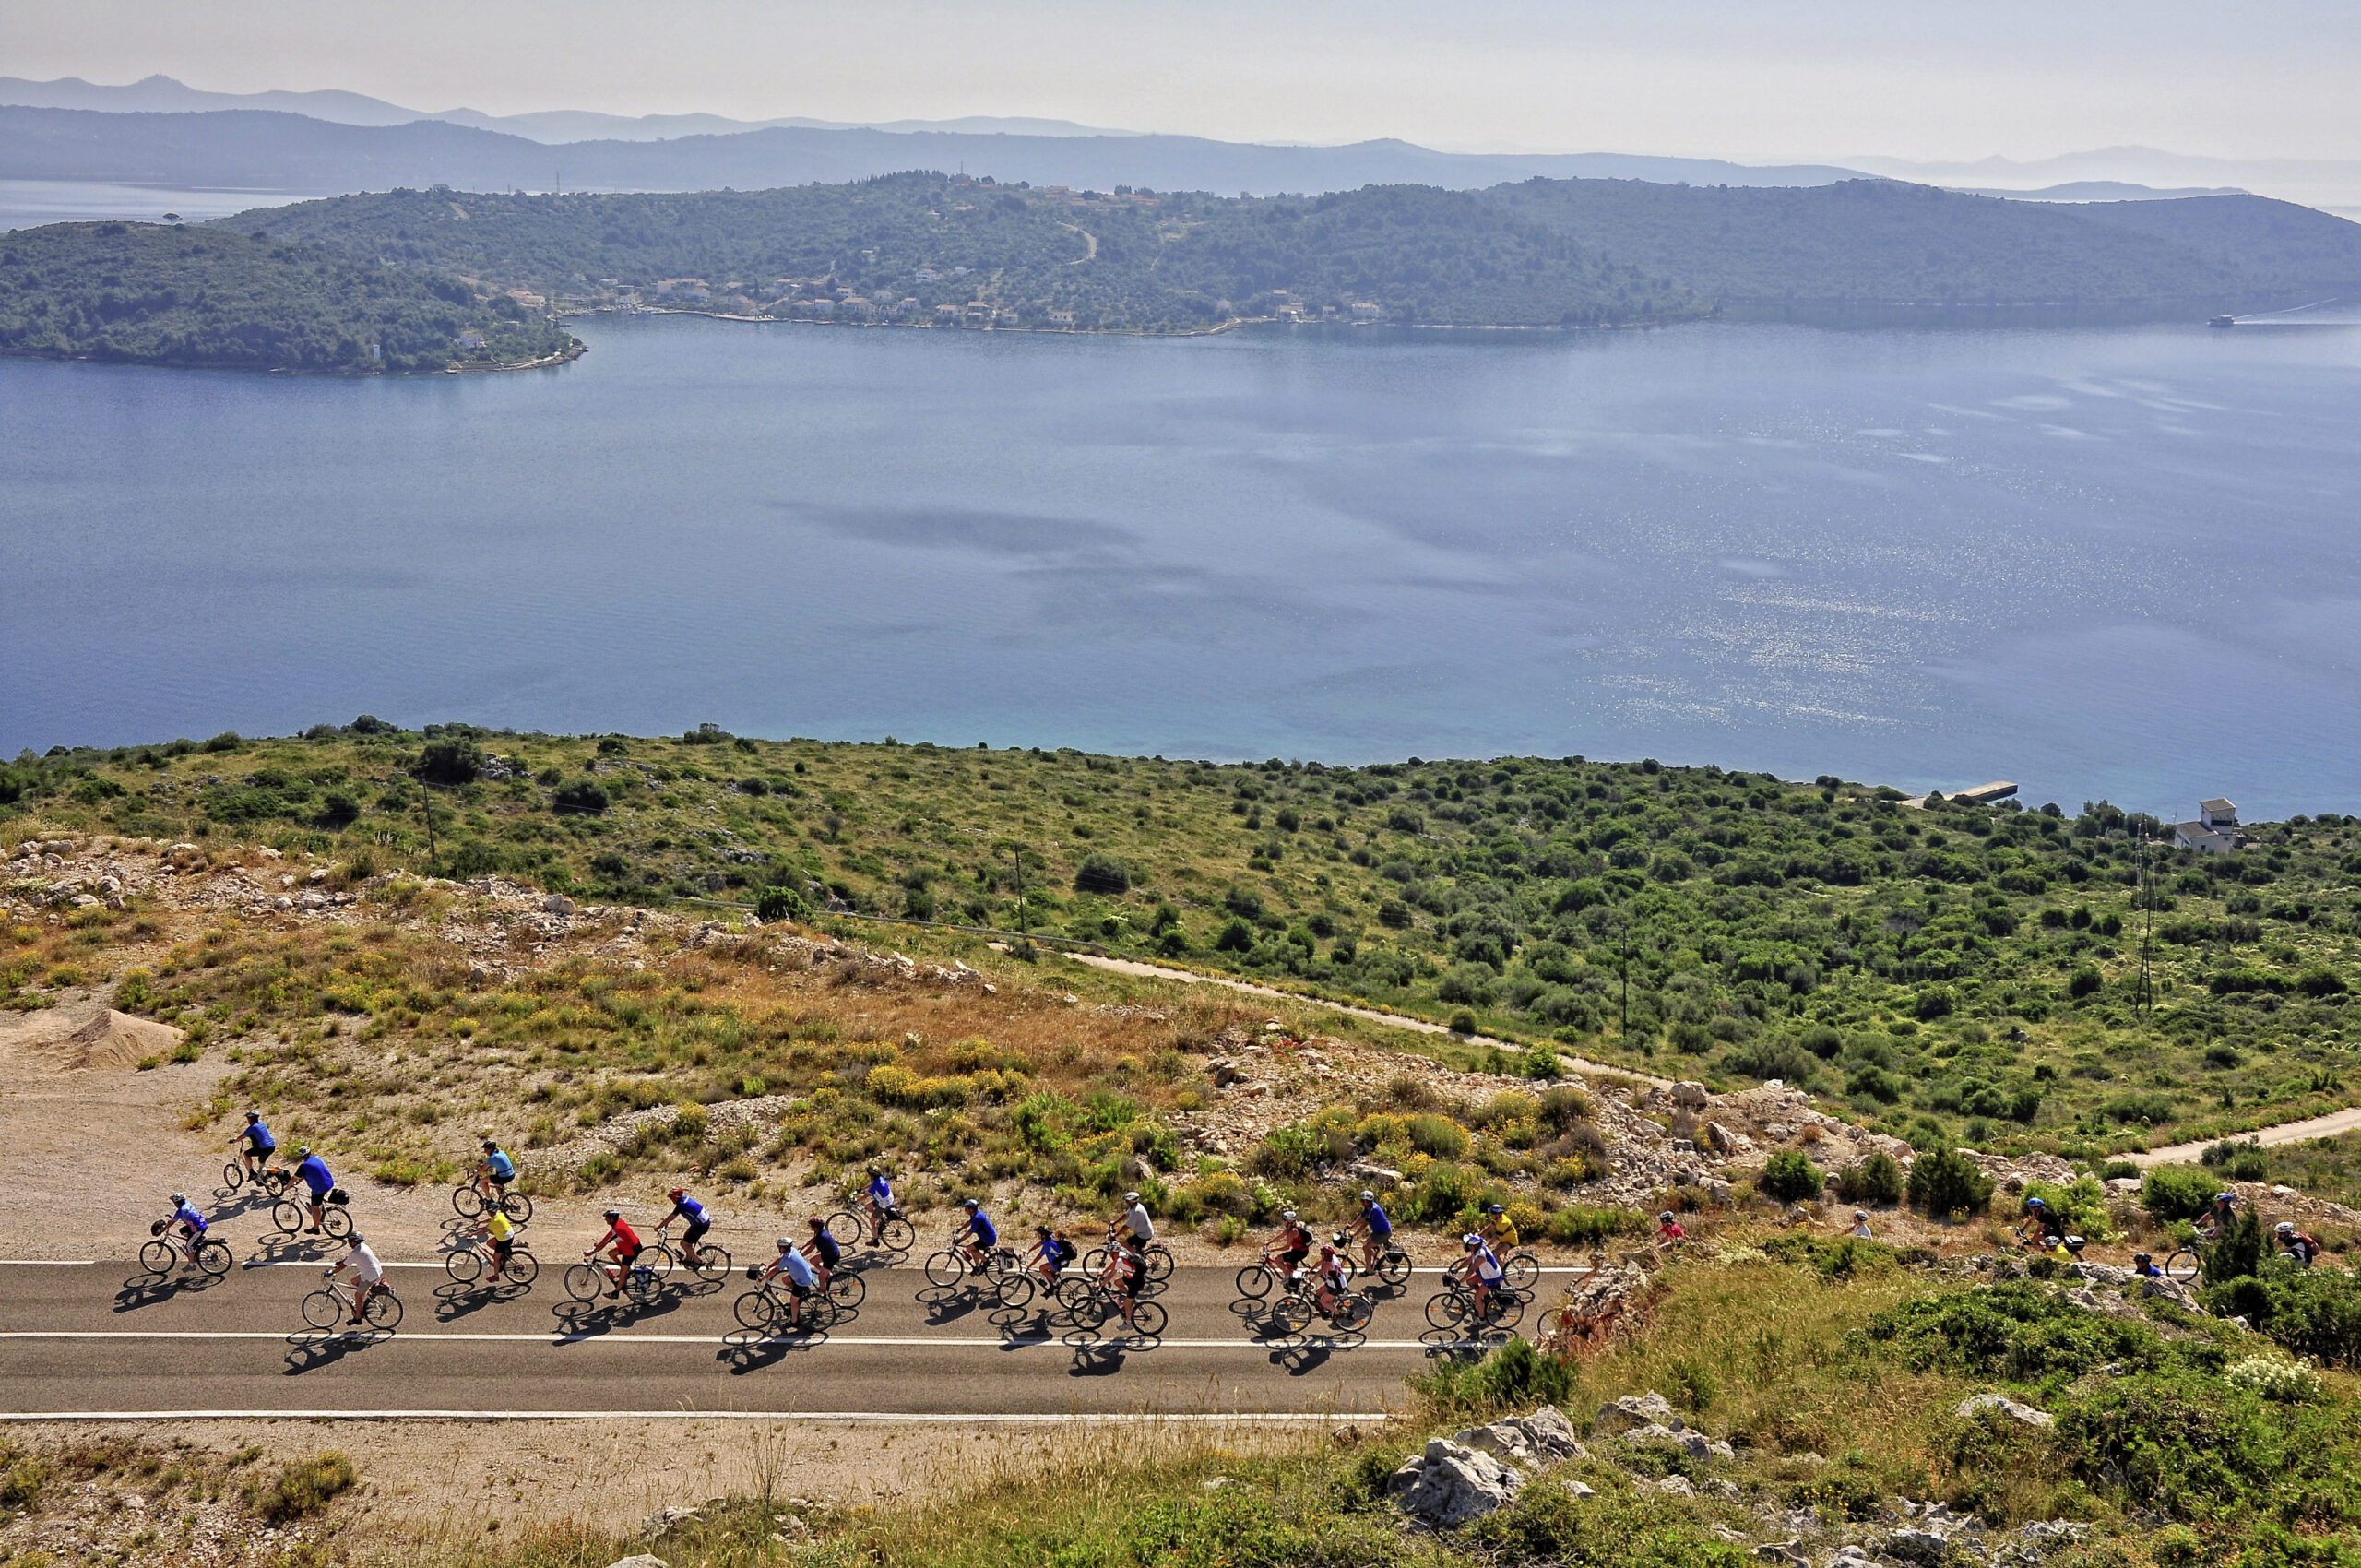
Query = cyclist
x=1328 y=1281
x=1860 y=1231
x=1126 y=1272
x=1483 y=1271
x=2052 y=1223
x=879 y=1198
x=494 y=1173
x=1669 y=1229
x=1496 y=1229
x=184 y=1228
x=313 y=1170
x=822 y=1251
x=2301 y=1247
x=1375 y=1228
x=1135 y=1219
x=1290 y=1245
x=974 y=1239
x=2144 y=1266
x=800 y=1280
x=368 y=1274
x=258 y=1143
x=692 y=1214
x=2224 y=1208
x=1051 y=1252
x=622 y=1243
x=501 y=1231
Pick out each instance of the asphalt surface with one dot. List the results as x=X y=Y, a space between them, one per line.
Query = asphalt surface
x=105 y=1338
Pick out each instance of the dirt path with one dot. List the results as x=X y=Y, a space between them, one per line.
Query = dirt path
x=1153 y=971
x=2335 y=1121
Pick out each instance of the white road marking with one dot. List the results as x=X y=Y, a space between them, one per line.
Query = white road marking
x=878 y=1339
x=48 y=1262
x=998 y=1417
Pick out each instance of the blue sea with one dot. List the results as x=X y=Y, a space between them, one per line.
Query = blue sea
x=2118 y=561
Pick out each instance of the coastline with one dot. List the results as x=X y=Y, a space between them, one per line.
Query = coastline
x=576 y=349
x=1232 y=324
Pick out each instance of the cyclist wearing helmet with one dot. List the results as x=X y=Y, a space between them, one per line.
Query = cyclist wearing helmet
x=494 y=1173
x=622 y=1245
x=2145 y=1266
x=1135 y=1219
x=1290 y=1245
x=184 y=1228
x=693 y=1217
x=1375 y=1228
x=314 y=1173
x=1483 y=1271
x=1668 y=1229
x=2052 y=1223
x=1860 y=1231
x=800 y=1280
x=255 y=1142
x=1126 y=1273
x=2224 y=1208
x=2297 y=1245
x=1051 y=1252
x=1496 y=1229
x=368 y=1274
x=878 y=1196
x=1328 y=1281
x=822 y=1251
x=974 y=1239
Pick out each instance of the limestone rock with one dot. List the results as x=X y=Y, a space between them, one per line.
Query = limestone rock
x=1918 y=1544
x=2174 y=1291
x=1552 y=1434
x=1968 y=1409
x=644 y=1560
x=664 y=1521
x=1450 y=1484
x=1577 y=1488
x=1676 y=1486
x=1689 y=1095
x=1634 y=1410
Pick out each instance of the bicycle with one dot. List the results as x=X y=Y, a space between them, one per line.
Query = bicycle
x=290 y=1215
x=1256 y=1279
x=162 y=1255
x=765 y=1308
x=332 y=1304
x=1393 y=1264
x=2184 y=1264
x=1160 y=1262
x=467 y=1265
x=640 y=1279
x=946 y=1269
x=1090 y=1303
x=469 y=1200
x=711 y=1264
x=1454 y=1307
x=272 y=1179
x=1294 y=1311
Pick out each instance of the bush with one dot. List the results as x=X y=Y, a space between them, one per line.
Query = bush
x=2237 y=1253
x=20 y=1488
x=2080 y=1202
x=1439 y=1136
x=302 y=1488
x=2274 y=1377
x=1102 y=873
x=1462 y=1023
x=2019 y=1330
x=1944 y=1181
x=1466 y=982
x=1772 y=1058
x=2177 y=1192
x=450 y=762
x=1594 y=1227
x=1790 y=1178
x=1512 y=1377
x=779 y=904
x=584 y=797
x=1235 y=937
x=1877 y=1180
x=2314 y=1311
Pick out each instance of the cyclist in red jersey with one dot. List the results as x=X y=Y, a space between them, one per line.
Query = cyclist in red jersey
x=622 y=1243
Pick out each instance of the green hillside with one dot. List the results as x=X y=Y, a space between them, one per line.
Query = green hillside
x=1952 y=971
x=1881 y=241
x=2271 y=239
x=154 y=293
x=1129 y=261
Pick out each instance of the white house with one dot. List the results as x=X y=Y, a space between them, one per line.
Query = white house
x=2215 y=831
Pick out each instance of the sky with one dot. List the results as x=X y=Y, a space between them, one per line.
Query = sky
x=1758 y=82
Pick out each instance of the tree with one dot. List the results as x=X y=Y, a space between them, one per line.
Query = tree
x=1944 y=1183
x=1791 y=1178
x=450 y=762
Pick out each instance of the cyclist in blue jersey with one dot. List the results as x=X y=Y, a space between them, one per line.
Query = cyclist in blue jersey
x=1375 y=1228
x=879 y=1197
x=1051 y=1252
x=494 y=1173
x=255 y=1142
x=975 y=1238
x=184 y=1228
x=313 y=1172
x=693 y=1215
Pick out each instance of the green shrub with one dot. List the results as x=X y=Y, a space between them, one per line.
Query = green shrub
x=1462 y=1023
x=1548 y=1524
x=450 y=762
x=20 y=1488
x=2178 y=1192
x=302 y=1488
x=1832 y=1258
x=1102 y=873
x=781 y=904
x=2018 y=1330
x=1512 y=1377
x=1790 y=1178
x=1438 y=1135
x=1877 y=1180
x=1944 y=1181
x=2313 y=1312
x=2080 y=1202
x=2275 y=1378
x=1577 y=1227
x=1236 y=937
x=1289 y=1152
x=2237 y=1252
x=583 y=796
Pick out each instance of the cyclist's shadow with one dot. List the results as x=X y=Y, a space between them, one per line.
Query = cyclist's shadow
x=280 y=1246
x=315 y=1348
x=453 y=1300
x=152 y=1289
x=584 y=1320
x=1452 y=1344
x=949 y=1303
x=744 y=1351
x=1094 y=1357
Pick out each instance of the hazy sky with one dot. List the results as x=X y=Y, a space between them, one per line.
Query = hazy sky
x=1755 y=80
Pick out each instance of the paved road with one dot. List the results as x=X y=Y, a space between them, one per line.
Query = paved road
x=103 y=1338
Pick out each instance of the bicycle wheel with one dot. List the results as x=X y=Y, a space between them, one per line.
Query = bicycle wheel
x=323 y=1309
x=233 y=1175
x=384 y=1311
x=1000 y=1262
x=273 y=1181
x=517 y=1206
x=1354 y=1312
x=467 y=1200
x=819 y=1312
x=847 y=1228
x=755 y=1309
x=895 y=1235
x=286 y=1217
x=337 y=1222
x=658 y=1261
x=945 y=1269
x=584 y=1283
x=1147 y=1320
x=1160 y=1262
x=1394 y=1266
x=1017 y=1291
x=213 y=1256
x=157 y=1257
x=846 y=1287
x=641 y=1282
x=1292 y=1313
x=713 y=1262
x=463 y=1265
x=1094 y=1261
x=1073 y=1293
x=2183 y=1266
x=1505 y=1310
x=521 y=1268
x=1523 y=1271
x=1254 y=1281
x=1447 y=1310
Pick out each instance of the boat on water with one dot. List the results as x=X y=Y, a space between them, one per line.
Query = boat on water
x=2224 y=321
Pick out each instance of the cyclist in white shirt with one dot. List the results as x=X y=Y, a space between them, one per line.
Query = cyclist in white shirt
x=368 y=1274
x=1135 y=1219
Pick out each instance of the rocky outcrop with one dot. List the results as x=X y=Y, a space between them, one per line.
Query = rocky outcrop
x=1449 y=1484
x=2001 y=1405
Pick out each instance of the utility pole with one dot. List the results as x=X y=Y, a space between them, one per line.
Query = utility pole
x=426 y=806
x=1624 y=1028
x=2147 y=921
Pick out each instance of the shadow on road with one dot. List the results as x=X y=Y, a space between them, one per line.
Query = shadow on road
x=744 y=1350
x=279 y=1246
x=315 y=1347
x=454 y=1301
x=949 y=1303
x=152 y=1289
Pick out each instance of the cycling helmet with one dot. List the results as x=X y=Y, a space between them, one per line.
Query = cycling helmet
x=2284 y=1227
x=1860 y=1214
x=677 y=1193
x=969 y=1203
x=1131 y=1198
x=2035 y=1203
x=785 y=1243
x=254 y=1115
x=303 y=1151
x=1495 y=1208
x=612 y=1216
x=1664 y=1219
x=2141 y=1257
x=353 y=1238
x=1327 y=1252
x=183 y=1197
x=2226 y=1197
x=1288 y=1214
x=1471 y=1241
x=1367 y=1196
x=1042 y=1231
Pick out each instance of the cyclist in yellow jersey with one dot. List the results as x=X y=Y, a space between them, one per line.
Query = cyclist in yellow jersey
x=501 y=1232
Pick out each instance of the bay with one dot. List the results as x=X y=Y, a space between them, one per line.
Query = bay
x=2117 y=562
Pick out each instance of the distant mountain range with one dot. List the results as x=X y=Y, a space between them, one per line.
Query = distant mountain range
x=2317 y=182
